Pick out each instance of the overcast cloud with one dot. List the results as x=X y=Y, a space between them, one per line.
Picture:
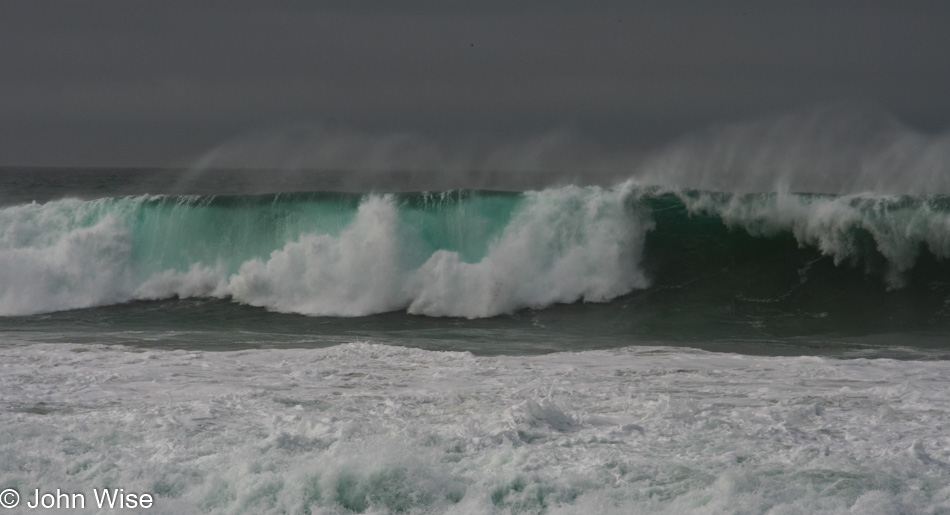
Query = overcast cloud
x=130 y=83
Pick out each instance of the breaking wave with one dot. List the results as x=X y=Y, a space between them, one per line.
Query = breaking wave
x=464 y=253
x=469 y=254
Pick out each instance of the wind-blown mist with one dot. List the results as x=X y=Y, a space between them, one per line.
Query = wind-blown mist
x=841 y=148
x=838 y=148
x=359 y=161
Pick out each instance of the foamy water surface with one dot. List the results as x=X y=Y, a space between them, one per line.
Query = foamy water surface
x=368 y=428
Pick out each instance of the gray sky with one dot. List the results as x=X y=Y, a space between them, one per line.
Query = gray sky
x=132 y=83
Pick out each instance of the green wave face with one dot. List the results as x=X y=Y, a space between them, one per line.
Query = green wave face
x=176 y=232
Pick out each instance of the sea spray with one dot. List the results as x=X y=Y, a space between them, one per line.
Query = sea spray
x=838 y=148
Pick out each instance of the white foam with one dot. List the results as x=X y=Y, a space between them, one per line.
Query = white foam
x=51 y=259
x=566 y=244
x=378 y=429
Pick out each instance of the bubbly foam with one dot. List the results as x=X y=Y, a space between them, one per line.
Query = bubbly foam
x=365 y=428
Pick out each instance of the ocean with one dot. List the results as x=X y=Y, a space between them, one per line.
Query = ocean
x=263 y=342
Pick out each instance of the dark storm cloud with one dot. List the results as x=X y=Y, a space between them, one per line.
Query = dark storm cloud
x=154 y=83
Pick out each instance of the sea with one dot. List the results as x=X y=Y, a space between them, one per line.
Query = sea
x=267 y=342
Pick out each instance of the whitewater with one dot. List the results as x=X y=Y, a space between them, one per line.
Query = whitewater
x=367 y=428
